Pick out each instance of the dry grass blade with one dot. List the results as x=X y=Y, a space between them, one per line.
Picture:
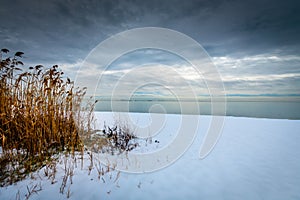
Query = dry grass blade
x=43 y=114
x=37 y=109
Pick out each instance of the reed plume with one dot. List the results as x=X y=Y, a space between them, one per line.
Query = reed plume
x=37 y=115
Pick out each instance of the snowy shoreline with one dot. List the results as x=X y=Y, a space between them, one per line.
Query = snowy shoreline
x=255 y=158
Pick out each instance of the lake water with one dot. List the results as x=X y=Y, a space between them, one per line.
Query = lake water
x=266 y=108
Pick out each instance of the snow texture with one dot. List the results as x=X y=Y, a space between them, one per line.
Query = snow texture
x=254 y=159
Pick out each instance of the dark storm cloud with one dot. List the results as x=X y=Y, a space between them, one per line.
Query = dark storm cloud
x=246 y=39
x=58 y=30
x=68 y=30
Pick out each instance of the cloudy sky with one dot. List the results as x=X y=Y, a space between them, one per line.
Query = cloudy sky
x=255 y=45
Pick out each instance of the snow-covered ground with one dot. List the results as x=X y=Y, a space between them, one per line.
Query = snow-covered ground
x=253 y=159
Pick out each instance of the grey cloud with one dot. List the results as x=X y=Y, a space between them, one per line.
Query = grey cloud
x=265 y=64
x=282 y=86
x=64 y=32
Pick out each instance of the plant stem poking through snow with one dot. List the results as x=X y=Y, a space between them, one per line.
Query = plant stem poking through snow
x=37 y=116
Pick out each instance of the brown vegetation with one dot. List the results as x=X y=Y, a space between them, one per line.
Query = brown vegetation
x=42 y=114
x=36 y=115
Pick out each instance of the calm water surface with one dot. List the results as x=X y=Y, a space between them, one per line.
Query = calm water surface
x=260 y=109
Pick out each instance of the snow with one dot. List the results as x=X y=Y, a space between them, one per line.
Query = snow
x=253 y=159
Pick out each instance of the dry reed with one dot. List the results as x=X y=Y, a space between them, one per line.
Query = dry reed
x=42 y=114
x=37 y=108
